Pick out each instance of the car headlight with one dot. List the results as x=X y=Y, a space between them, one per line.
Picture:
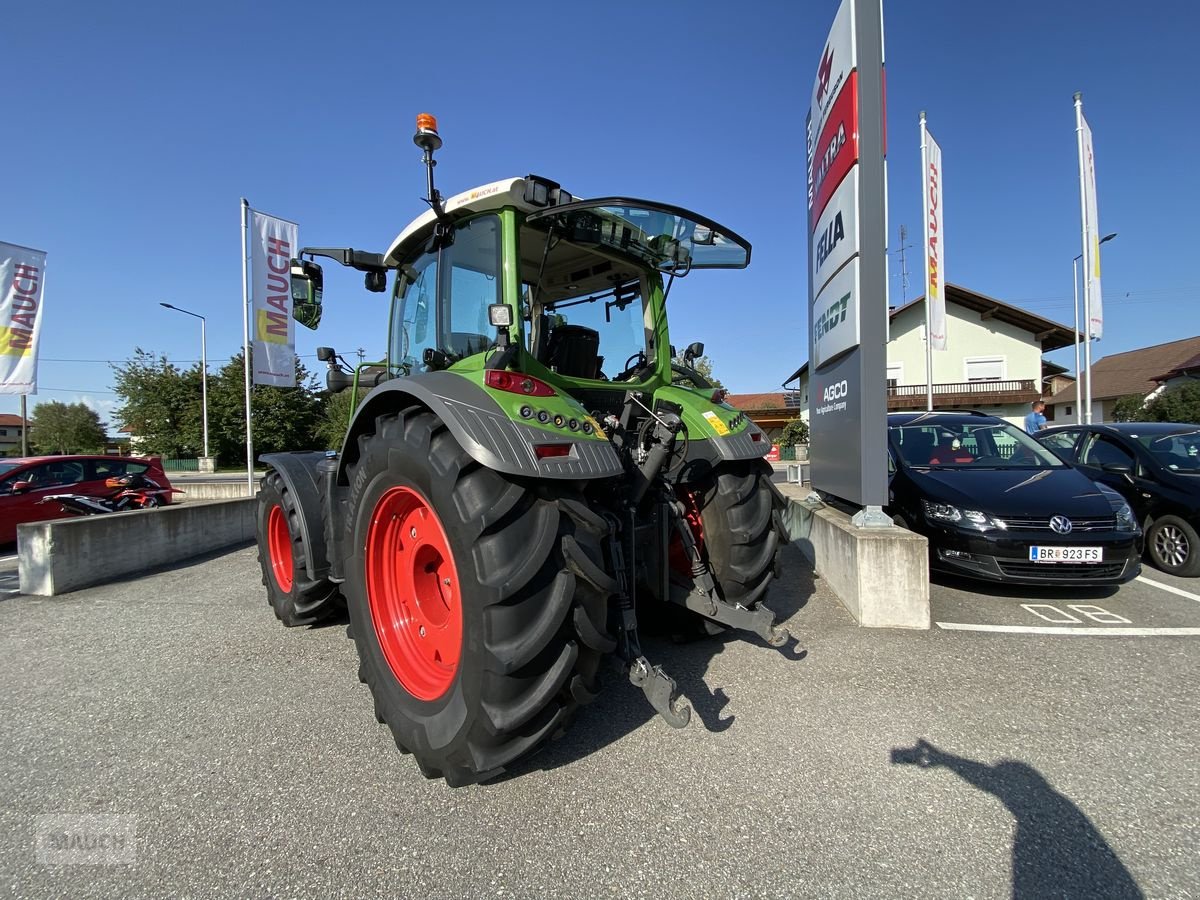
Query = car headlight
x=1122 y=510
x=1125 y=519
x=967 y=518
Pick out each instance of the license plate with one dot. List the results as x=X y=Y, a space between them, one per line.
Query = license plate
x=1066 y=554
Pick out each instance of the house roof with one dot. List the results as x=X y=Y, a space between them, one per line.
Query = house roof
x=8 y=420
x=1052 y=335
x=1187 y=367
x=1134 y=371
x=768 y=400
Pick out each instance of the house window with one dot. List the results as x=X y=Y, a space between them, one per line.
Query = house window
x=984 y=368
x=1069 y=411
x=3 y=432
x=895 y=374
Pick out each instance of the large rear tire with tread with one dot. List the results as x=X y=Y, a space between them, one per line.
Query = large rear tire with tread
x=477 y=601
x=295 y=598
x=740 y=530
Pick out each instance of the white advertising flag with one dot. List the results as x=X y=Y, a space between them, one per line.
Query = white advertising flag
x=273 y=244
x=1091 y=225
x=935 y=244
x=22 y=277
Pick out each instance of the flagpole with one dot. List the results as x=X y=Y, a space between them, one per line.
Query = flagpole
x=1078 y=372
x=246 y=347
x=24 y=428
x=928 y=314
x=1087 y=293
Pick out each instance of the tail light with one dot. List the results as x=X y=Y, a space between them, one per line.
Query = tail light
x=516 y=383
x=551 y=451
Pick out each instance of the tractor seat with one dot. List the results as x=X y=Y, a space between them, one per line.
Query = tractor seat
x=573 y=350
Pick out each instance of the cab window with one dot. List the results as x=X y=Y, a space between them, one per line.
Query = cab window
x=1062 y=443
x=1102 y=451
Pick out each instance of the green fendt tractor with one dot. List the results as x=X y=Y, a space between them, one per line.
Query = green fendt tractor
x=528 y=474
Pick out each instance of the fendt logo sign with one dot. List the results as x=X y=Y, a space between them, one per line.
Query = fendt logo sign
x=832 y=317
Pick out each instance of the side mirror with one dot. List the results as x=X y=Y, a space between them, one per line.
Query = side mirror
x=307 y=285
x=421 y=319
x=20 y=487
x=325 y=354
x=693 y=351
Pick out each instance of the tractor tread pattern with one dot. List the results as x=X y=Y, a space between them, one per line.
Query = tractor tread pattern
x=534 y=655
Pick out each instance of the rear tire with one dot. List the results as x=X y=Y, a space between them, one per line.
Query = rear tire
x=296 y=599
x=1174 y=546
x=479 y=617
x=741 y=537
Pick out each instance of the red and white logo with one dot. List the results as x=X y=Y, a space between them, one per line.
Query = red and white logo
x=823 y=73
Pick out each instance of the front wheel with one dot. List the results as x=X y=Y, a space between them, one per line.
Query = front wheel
x=1174 y=546
x=476 y=599
x=295 y=598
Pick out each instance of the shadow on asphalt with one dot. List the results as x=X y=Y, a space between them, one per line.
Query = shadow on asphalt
x=1024 y=591
x=1057 y=851
x=622 y=708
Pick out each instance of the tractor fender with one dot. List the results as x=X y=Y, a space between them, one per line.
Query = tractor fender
x=726 y=448
x=481 y=428
x=303 y=478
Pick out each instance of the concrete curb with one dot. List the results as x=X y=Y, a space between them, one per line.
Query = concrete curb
x=69 y=554
x=881 y=575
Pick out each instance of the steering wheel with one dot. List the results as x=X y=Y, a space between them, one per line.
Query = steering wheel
x=632 y=365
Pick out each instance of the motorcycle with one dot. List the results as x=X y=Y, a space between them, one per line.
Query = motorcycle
x=129 y=492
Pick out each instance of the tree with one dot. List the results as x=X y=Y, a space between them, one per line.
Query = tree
x=795 y=431
x=335 y=417
x=160 y=404
x=284 y=418
x=1131 y=408
x=703 y=367
x=66 y=428
x=1178 y=404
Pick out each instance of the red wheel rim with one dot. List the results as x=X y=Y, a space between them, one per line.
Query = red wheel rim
x=413 y=592
x=279 y=545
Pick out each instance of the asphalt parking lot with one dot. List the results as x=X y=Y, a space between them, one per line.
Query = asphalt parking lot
x=247 y=761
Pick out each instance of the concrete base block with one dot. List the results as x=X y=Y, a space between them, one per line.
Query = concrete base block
x=881 y=575
x=204 y=490
x=69 y=554
x=208 y=465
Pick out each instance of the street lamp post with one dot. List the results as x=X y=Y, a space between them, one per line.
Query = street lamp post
x=1080 y=417
x=203 y=367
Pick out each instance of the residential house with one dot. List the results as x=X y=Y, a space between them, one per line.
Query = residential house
x=770 y=411
x=993 y=362
x=1144 y=372
x=1188 y=370
x=10 y=434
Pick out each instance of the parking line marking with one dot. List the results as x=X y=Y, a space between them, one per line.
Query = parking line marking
x=1085 y=630
x=1169 y=588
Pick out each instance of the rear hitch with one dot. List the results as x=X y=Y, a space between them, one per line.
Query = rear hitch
x=760 y=620
x=661 y=691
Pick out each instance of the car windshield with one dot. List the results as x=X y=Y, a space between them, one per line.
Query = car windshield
x=663 y=237
x=1178 y=452
x=925 y=442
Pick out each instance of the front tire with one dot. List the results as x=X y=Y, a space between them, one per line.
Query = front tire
x=1174 y=546
x=295 y=598
x=476 y=600
x=737 y=508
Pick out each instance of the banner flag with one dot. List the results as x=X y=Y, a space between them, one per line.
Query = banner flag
x=1091 y=224
x=935 y=245
x=22 y=278
x=273 y=336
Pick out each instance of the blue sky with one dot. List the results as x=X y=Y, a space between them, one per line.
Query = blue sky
x=133 y=129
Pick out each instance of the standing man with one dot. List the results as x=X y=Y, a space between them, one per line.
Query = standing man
x=1036 y=420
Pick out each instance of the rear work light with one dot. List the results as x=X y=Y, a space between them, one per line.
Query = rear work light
x=516 y=383
x=551 y=451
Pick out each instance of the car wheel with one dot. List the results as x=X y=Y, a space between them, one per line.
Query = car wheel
x=1174 y=546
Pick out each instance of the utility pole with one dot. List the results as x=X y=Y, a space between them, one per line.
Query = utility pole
x=903 y=266
x=362 y=354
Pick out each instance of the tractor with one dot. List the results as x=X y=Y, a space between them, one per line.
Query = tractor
x=533 y=470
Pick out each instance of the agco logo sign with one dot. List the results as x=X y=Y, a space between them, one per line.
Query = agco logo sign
x=836 y=391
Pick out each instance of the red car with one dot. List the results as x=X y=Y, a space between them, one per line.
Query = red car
x=25 y=481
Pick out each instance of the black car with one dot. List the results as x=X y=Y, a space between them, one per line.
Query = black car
x=997 y=505
x=1156 y=467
